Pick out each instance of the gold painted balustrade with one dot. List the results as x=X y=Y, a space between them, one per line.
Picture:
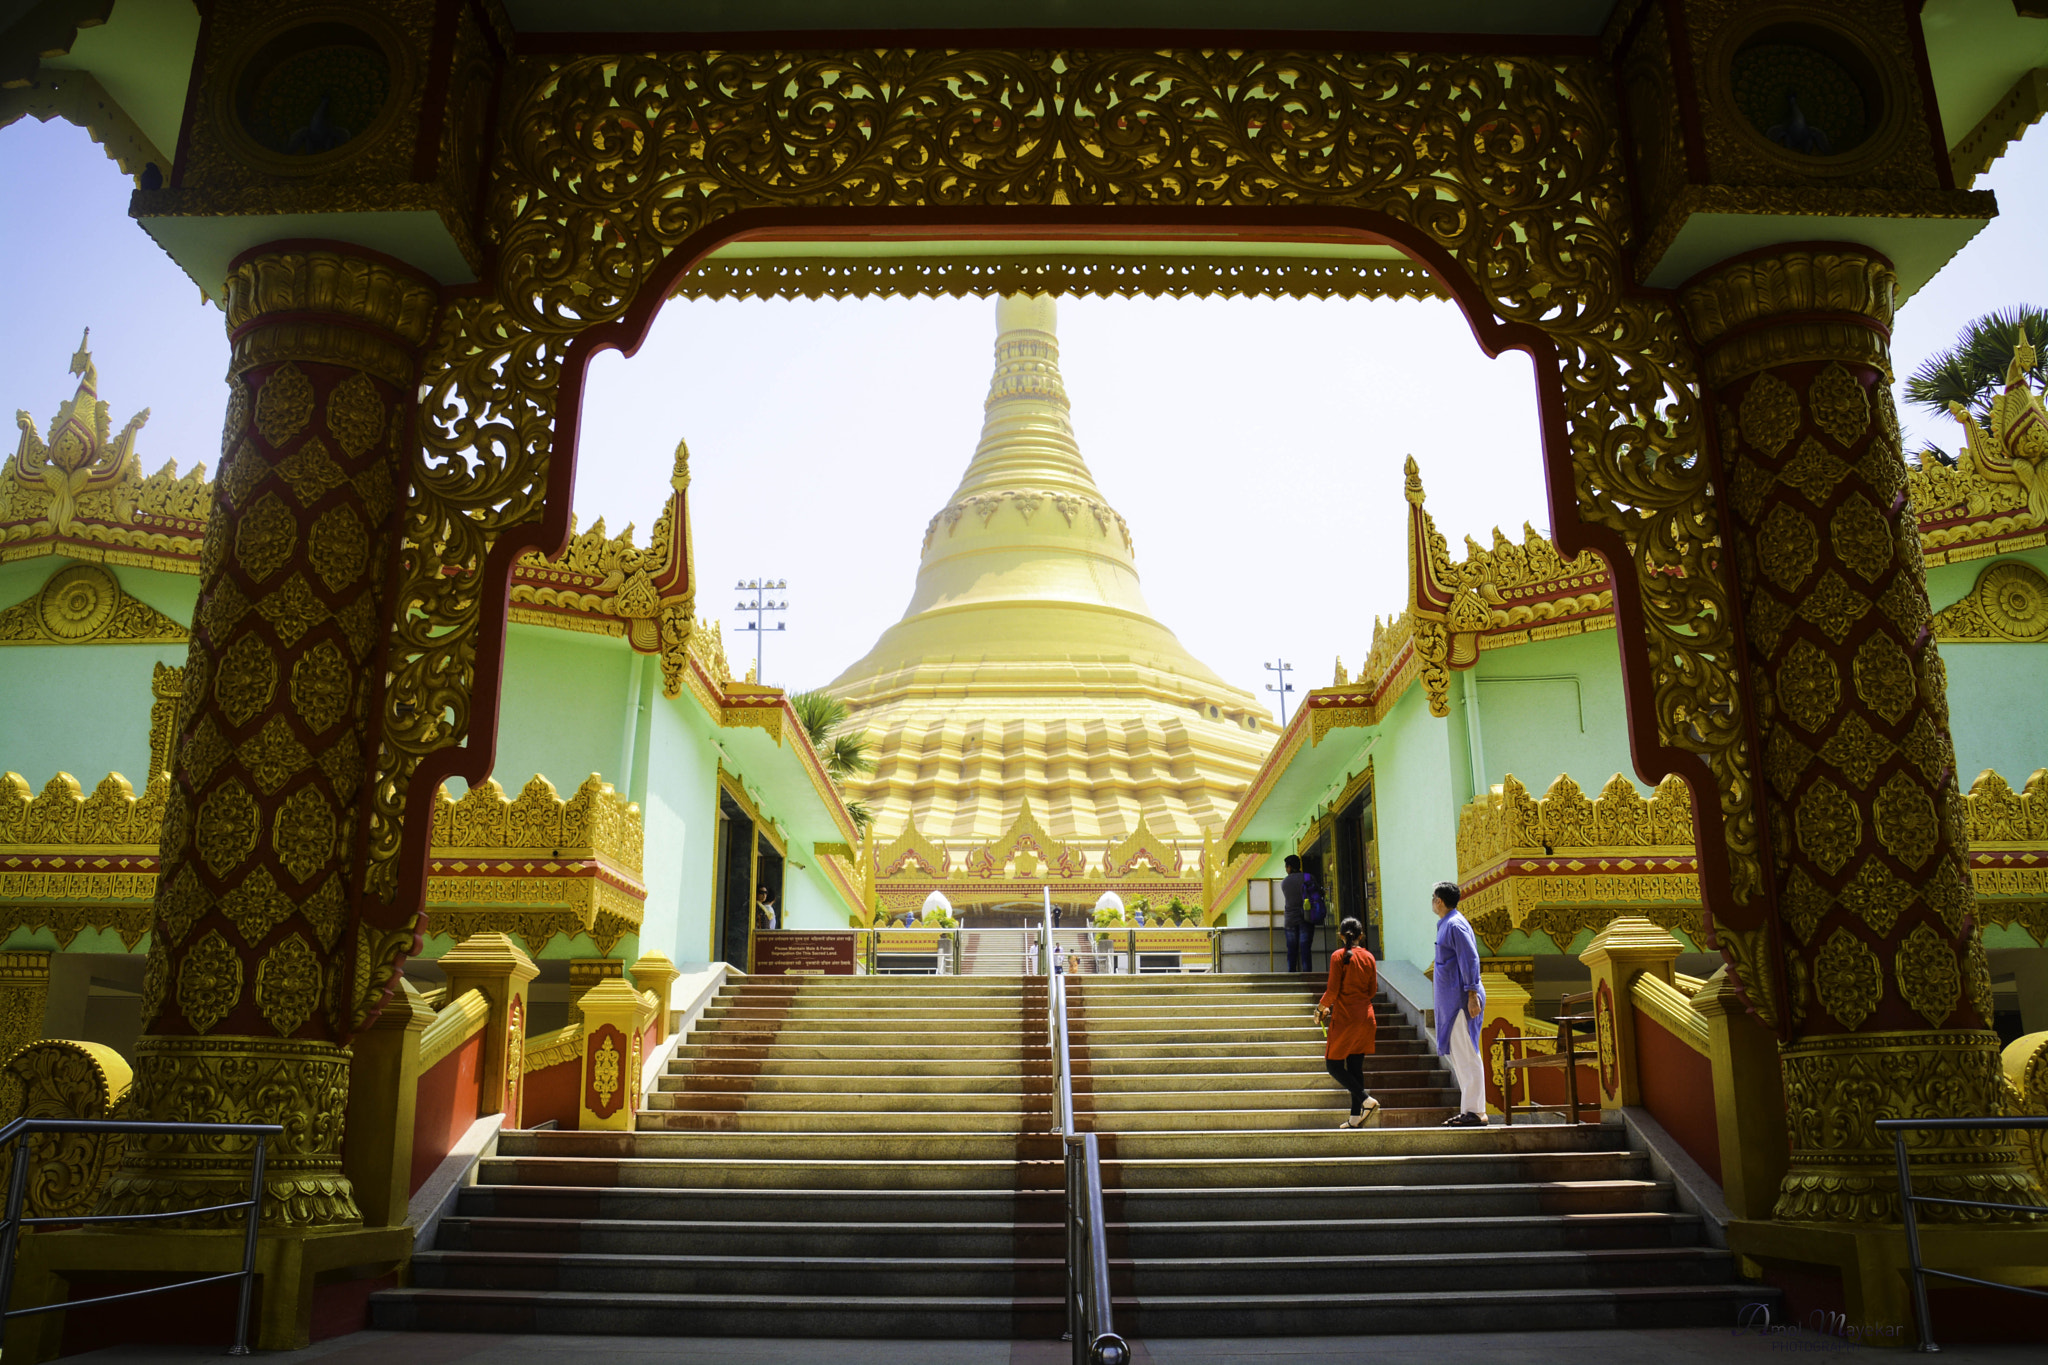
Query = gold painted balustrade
x=530 y=867
x=1562 y=863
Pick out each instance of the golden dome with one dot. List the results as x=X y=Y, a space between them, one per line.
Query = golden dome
x=1028 y=666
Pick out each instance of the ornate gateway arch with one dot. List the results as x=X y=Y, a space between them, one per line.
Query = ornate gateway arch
x=1729 y=449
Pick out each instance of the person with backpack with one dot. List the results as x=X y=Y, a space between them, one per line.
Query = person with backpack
x=1303 y=911
x=1346 y=1010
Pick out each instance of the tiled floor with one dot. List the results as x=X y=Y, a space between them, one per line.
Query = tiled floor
x=1683 y=1346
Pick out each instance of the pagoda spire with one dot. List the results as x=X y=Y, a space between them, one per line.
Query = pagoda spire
x=1027 y=433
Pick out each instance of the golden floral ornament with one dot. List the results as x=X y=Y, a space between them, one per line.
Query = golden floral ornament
x=256 y=906
x=310 y=472
x=305 y=833
x=1834 y=606
x=1906 y=822
x=1809 y=686
x=228 y=827
x=56 y=1079
x=85 y=605
x=1930 y=979
x=288 y=985
x=355 y=414
x=1876 y=896
x=1862 y=537
x=2008 y=604
x=265 y=536
x=1814 y=471
x=1805 y=902
x=320 y=687
x=273 y=755
x=1856 y=750
x=209 y=981
x=246 y=681
x=1830 y=826
x=292 y=610
x=1840 y=406
x=1884 y=678
x=1788 y=546
x=79 y=459
x=1848 y=979
x=284 y=404
x=339 y=548
x=1769 y=413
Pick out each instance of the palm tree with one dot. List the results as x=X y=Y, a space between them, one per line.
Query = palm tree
x=1972 y=372
x=843 y=751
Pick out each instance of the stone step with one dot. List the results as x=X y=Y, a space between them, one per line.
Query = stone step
x=848 y=1102
x=814 y=1173
x=797 y=1276
x=1321 y=1312
x=916 y=1088
x=739 y=1238
x=839 y=1034
x=871 y=1055
x=1134 y=1173
x=652 y=1148
x=1193 y=1102
x=950 y=1121
x=1261 y=1064
x=915 y=1316
x=598 y=1207
x=1175 y=1050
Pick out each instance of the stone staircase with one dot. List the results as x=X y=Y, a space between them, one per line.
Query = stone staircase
x=870 y=1157
x=1237 y=1208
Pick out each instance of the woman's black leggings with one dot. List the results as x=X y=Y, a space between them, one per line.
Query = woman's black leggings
x=1350 y=1073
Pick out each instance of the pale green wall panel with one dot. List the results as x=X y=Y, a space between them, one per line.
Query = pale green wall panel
x=1415 y=805
x=566 y=710
x=682 y=826
x=1994 y=690
x=1553 y=707
x=808 y=901
x=84 y=709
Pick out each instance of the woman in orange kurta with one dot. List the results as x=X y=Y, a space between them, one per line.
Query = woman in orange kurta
x=1347 y=1008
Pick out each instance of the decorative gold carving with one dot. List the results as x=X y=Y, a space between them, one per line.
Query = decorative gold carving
x=1875 y=896
x=246 y=680
x=166 y=685
x=1769 y=414
x=1905 y=820
x=355 y=415
x=1108 y=276
x=1814 y=471
x=1840 y=406
x=288 y=985
x=79 y=459
x=24 y=996
x=2014 y=447
x=1930 y=979
x=284 y=404
x=1848 y=978
x=1856 y=750
x=55 y=1079
x=392 y=301
x=300 y=1084
x=1757 y=312
x=320 y=687
x=1788 y=546
x=339 y=548
x=1830 y=826
x=1862 y=538
x=84 y=605
x=210 y=981
x=1843 y=1169
x=255 y=906
x=1884 y=678
x=310 y=472
x=228 y=827
x=1809 y=686
x=1833 y=606
x=544 y=1050
x=265 y=537
x=2008 y=603
x=273 y=755
x=303 y=835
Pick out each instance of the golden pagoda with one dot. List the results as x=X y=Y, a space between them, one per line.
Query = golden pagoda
x=1028 y=684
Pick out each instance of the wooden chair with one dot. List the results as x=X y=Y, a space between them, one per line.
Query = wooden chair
x=1566 y=1053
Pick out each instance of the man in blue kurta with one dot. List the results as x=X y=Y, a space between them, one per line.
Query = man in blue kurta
x=1460 y=1005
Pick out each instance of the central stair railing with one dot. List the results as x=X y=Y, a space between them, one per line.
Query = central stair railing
x=1090 y=1321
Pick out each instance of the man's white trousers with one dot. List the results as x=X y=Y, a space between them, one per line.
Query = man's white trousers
x=1464 y=1060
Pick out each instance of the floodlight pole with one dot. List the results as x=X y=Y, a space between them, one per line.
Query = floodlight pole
x=1282 y=668
x=760 y=606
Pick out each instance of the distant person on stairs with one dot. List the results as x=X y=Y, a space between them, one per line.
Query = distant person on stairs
x=1460 y=1005
x=1301 y=935
x=764 y=908
x=1354 y=1030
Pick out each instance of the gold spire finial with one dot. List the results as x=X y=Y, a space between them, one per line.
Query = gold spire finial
x=679 y=477
x=1413 y=488
x=2023 y=357
x=81 y=360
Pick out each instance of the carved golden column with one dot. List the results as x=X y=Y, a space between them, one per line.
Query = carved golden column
x=247 y=996
x=1888 y=993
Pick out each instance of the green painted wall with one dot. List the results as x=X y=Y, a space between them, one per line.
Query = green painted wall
x=1415 y=804
x=567 y=708
x=681 y=810
x=1551 y=707
x=84 y=709
x=1994 y=691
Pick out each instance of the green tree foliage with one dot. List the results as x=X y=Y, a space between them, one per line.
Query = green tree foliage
x=1972 y=372
x=843 y=751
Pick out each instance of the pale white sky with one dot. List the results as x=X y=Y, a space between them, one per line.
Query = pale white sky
x=1255 y=446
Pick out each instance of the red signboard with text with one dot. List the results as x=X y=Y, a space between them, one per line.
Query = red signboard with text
x=797 y=952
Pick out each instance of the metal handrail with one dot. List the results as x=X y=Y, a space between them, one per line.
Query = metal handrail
x=1898 y=1128
x=17 y=1193
x=1090 y=1318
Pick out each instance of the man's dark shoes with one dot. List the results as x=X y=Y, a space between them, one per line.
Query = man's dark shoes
x=1465 y=1121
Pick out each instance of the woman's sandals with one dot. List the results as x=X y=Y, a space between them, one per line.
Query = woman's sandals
x=1369 y=1119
